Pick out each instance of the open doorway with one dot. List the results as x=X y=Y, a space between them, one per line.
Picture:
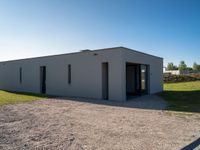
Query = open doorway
x=43 y=79
x=105 y=81
x=136 y=80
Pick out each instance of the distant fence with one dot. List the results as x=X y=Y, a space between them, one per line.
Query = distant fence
x=179 y=72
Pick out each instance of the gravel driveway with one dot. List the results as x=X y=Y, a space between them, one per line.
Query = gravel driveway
x=80 y=124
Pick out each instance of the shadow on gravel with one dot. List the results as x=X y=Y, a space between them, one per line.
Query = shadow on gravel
x=144 y=102
x=153 y=102
x=180 y=101
x=193 y=145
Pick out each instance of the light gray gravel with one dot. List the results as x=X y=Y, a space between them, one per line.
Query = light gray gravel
x=73 y=124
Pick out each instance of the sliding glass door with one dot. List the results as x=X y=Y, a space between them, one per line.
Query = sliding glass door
x=144 y=79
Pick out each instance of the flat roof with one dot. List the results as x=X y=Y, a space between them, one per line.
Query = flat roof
x=81 y=51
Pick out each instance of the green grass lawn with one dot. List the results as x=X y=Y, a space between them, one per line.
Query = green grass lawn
x=11 y=97
x=183 y=97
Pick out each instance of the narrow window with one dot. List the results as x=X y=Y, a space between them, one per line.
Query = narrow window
x=20 y=75
x=69 y=74
x=105 y=78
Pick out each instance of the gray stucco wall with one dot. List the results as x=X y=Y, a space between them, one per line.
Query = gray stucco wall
x=86 y=77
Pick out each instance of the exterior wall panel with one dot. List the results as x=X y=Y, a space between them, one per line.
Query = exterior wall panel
x=155 y=68
x=86 y=74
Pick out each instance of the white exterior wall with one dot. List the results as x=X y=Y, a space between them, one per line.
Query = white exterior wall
x=86 y=73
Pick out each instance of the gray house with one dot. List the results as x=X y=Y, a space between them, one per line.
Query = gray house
x=112 y=74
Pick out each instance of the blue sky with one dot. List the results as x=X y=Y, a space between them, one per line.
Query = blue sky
x=166 y=28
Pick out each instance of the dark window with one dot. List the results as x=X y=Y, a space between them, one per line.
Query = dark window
x=69 y=74
x=105 y=77
x=20 y=75
x=43 y=79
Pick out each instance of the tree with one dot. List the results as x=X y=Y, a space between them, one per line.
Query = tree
x=182 y=66
x=189 y=68
x=175 y=67
x=196 y=66
x=170 y=66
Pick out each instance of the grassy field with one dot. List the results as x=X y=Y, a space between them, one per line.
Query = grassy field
x=183 y=97
x=10 y=97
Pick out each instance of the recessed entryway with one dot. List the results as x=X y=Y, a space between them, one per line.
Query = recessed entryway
x=136 y=79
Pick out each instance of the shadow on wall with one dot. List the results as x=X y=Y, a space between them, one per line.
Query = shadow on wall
x=193 y=145
x=183 y=101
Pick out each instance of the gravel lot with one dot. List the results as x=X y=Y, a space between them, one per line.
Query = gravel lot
x=80 y=124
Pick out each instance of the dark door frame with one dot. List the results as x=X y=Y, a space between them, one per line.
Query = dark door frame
x=43 y=79
x=138 y=79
